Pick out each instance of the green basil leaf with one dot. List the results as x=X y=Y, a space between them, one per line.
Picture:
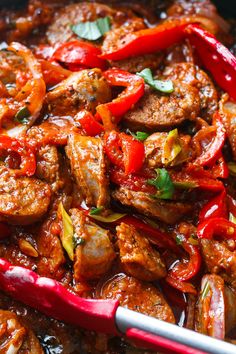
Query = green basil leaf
x=178 y=240
x=141 y=136
x=95 y=211
x=92 y=30
x=165 y=86
x=163 y=184
x=22 y=115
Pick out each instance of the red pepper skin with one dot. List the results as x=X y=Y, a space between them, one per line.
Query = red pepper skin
x=183 y=271
x=124 y=151
x=220 y=168
x=21 y=147
x=231 y=204
x=180 y=285
x=88 y=123
x=54 y=300
x=148 y=40
x=134 y=90
x=53 y=73
x=134 y=182
x=215 y=57
x=134 y=153
x=215 y=208
x=80 y=53
x=211 y=154
x=217 y=227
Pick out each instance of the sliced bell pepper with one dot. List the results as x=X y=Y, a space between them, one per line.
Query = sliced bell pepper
x=148 y=40
x=88 y=123
x=220 y=227
x=181 y=285
x=124 y=151
x=80 y=53
x=134 y=182
x=26 y=152
x=53 y=73
x=215 y=208
x=215 y=57
x=211 y=153
x=220 y=168
x=134 y=90
x=185 y=270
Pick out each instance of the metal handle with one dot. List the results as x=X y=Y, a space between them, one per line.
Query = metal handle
x=126 y=319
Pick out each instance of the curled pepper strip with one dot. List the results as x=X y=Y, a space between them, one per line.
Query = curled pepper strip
x=180 y=285
x=211 y=154
x=220 y=227
x=124 y=151
x=215 y=208
x=185 y=270
x=215 y=57
x=148 y=40
x=28 y=162
x=88 y=123
x=134 y=90
x=79 y=53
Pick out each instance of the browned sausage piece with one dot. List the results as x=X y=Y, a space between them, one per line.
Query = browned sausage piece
x=88 y=167
x=139 y=259
x=158 y=111
x=220 y=260
x=93 y=256
x=60 y=30
x=167 y=211
x=192 y=75
x=138 y=296
x=22 y=200
x=81 y=90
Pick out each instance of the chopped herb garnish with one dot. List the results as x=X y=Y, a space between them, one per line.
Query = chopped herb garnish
x=67 y=238
x=232 y=218
x=141 y=136
x=205 y=290
x=172 y=147
x=22 y=115
x=163 y=184
x=178 y=239
x=96 y=211
x=78 y=241
x=185 y=185
x=92 y=30
x=232 y=168
x=165 y=86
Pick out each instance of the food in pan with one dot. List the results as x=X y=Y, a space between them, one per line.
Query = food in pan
x=118 y=165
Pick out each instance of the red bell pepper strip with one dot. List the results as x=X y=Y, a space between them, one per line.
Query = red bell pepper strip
x=54 y=300
x=148 y=40
x=215 y=208
x=124 y=151
x=220 y=168
x=26 y=152
x=133 y=182
x=88 y=123
x=53 y=73
x=220 y=227
x=215 y=57
x=134 y=90
x=80 y=53
x=211 y=154
x=231 y=203
x=180 y=285
x=183 y=270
